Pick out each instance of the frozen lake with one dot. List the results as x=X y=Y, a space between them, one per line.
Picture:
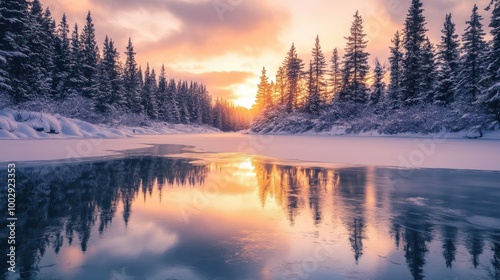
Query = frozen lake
x=154 y=214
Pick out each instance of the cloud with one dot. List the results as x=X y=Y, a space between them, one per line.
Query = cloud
x=219 y=83
x=201 y=29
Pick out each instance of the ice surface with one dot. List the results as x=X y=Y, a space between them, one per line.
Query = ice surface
x=407 y=153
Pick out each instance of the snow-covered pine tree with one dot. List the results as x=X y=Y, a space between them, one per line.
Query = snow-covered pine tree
x=491 y=81
x=313 y=99
x=319 y=70
x=378 y=87
x=448 y=62
x=172 y=103
x=41 y=51
x=102 y=97
x=131 y=81
x=149 y=90
x=110 y=94
x=428 y=78
x=183 y=99
x=414 y=41
x=62 y=60
x=472 y=63
x=394 y=95
x=163 y=110
x=293 y=71
x=90 y=55
x=153 y=99
x=14 y=25
x=356 y=68
x=76 y=79
x=335 y=75
x=115 y=72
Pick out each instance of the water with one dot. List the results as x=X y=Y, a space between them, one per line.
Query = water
x=231 y=216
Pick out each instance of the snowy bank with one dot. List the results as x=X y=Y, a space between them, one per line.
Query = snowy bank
x=29 y=125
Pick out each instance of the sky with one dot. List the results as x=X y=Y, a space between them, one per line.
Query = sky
x=225 y=43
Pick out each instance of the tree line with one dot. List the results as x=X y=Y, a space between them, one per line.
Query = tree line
x=454 y=75
x=41 y=60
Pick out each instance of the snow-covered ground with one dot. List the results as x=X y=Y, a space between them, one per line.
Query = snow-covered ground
x=437 y=152
x=29 y=125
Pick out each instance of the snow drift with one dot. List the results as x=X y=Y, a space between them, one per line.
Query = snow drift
x=27 y=124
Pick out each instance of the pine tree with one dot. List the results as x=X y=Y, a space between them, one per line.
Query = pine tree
x=14 y=24
x=319 y=71
x=76 y=79
x=394 y=95
x=62 y=60
x=183 y=100
x=491 y=82
x=110 y=83
x=293 y=71
x=131 y=81
x=102 y=97
x=335 y=75
x=355 y=69
x=90 y=55
x=149 y=90
x=448 y=61
x=378 y=87
x=414 y=41
x=163 y=110
x=281 y=85
x=428 y=78
x=263 y=98
x=313 y=102
x=41 y=52
x=174 y=115
x=472 y=62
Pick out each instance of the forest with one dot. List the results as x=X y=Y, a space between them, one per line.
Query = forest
x=450 y=86
x=48 y=68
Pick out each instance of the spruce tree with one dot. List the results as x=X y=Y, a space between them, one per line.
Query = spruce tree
x=163 y=110
x=472 y=63
x=319 y=71
x=414 y=41
x=76 y=79
x=313 y=101
x=335 y=75
x=14 y=51
x=183 y=100
x=149 y=90
x=174 y=115
x=448 y=62
x=41 y=52
x=394 y=95
x=62 y=60
x=90 y=56
x=131 y=82
x=263 y=98
x=110 y=83
x=428 y=78
x=281 y=85
x=378 y=87
x=491 y=81
x=293 y=71
x=355 y=69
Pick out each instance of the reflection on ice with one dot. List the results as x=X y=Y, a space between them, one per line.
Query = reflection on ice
x=237 y=217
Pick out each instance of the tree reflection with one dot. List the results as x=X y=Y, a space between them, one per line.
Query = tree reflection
x=57 y=202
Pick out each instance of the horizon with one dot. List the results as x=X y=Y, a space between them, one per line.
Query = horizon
x=185 y=35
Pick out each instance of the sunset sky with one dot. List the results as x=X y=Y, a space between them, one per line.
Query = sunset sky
x=225 y=43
